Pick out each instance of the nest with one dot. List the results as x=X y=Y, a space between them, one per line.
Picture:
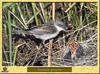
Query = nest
x=30 y=54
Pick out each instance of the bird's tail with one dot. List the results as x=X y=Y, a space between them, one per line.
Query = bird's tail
x=19 y=32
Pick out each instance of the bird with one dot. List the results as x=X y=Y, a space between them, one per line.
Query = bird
x=45 y=32
x=73 y=50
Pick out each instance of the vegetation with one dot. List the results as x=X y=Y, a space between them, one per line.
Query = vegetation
x=23 y=51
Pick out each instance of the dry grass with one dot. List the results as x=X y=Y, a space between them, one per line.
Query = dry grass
x=24 y=51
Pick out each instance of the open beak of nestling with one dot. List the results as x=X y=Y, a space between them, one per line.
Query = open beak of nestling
x=65 y=29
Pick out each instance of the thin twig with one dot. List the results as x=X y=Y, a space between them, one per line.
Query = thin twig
x=18 y=19
x=34 y=11
x=70 y=7
x=53 y=11
x=42 y=11
x=38 y=48
x=82 y=27
x=49 y=53
x=15 y=54
x=91 y=38
x=24 y=21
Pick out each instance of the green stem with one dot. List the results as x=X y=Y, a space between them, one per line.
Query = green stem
x=34 y=11
x=10 y=37
x=16 y=49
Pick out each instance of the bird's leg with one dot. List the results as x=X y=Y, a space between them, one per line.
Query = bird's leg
x=43 y=42
x=49 y=52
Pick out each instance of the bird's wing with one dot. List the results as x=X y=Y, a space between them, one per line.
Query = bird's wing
x=43 y=30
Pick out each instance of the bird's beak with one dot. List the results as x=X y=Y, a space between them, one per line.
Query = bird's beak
x=65 y=29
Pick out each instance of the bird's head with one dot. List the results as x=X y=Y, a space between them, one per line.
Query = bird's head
x=60 y=26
